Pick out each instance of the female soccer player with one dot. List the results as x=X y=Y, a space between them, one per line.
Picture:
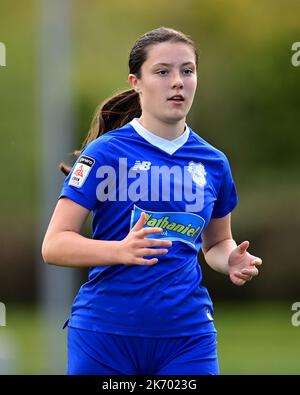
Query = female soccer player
x=158 y=192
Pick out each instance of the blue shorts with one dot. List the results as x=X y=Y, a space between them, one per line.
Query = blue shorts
x=99 y=353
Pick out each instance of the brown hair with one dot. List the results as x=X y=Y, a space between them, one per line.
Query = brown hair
x=121 y=108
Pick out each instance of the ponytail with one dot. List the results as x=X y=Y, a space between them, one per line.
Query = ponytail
x=112 y=114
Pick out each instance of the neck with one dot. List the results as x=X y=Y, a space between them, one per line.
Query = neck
x=168 y=131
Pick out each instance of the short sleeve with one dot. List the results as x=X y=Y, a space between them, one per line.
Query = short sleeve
x=81 y=183
x=227 y=198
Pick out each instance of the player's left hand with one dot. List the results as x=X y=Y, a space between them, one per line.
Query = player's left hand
x=242 y=265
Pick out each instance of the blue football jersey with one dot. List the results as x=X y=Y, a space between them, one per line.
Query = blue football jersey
x=180 y=185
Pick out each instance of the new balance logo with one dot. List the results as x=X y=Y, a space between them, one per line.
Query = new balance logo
x=144 y=165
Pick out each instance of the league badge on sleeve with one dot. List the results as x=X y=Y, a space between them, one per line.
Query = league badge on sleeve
x=81 y=171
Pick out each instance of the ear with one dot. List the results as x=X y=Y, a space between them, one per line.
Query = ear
x=134 y=82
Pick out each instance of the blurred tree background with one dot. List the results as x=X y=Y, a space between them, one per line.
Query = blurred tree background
x=247 y=105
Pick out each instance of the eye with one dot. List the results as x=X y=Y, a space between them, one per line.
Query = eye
x=162 y=72
x=188 y=71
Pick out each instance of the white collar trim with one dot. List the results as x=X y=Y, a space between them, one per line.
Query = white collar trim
x=169 y=146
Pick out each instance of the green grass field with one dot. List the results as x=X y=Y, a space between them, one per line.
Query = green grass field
x=253 y=339
x=257 y=339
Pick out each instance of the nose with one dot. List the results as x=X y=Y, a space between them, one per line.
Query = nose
x=177 y=81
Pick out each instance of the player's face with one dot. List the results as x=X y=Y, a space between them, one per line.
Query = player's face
x=169 y=70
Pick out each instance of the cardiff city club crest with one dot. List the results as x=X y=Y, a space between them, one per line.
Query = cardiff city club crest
x=198 y=173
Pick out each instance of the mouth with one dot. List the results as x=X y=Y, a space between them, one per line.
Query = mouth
x=176 y=99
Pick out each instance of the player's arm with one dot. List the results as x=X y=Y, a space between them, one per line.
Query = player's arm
x=63 y=244
x=218 y=243
x=223 y=255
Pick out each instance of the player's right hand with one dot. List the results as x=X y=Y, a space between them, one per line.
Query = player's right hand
x=135 y=246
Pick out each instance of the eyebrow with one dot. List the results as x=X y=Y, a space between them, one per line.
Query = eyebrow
x=171 y=64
